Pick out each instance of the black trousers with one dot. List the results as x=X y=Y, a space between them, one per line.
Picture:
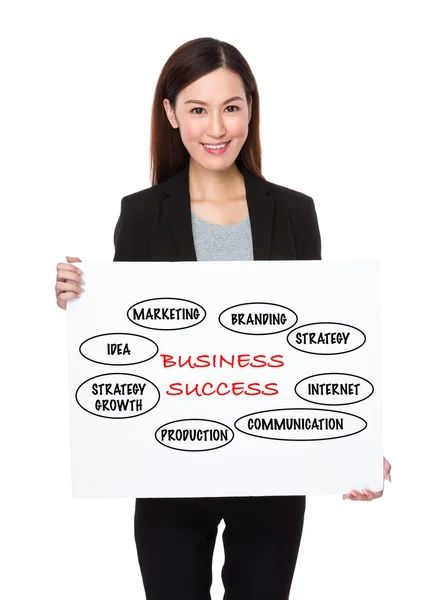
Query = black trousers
x=175 y=539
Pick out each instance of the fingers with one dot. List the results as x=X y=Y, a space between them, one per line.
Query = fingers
x=366 y=495
x=68 y=286
x=73 y=259
x=62 y=298
x=66 y=290
x=64 y=276
x=68 y=281
x=65 y=271
x=387 y=469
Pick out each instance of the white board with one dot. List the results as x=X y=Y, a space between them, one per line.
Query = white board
x=292 y=405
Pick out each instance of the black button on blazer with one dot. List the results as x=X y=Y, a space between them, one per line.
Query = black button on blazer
x=155 y=223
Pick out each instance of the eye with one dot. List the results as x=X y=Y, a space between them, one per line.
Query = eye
x=236 y=108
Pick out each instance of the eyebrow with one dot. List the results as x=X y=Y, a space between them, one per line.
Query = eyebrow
x=206 y=104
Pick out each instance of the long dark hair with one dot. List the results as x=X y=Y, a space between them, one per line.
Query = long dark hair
x=188 y=63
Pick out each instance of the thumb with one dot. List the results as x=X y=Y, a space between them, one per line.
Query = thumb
x=73 y=259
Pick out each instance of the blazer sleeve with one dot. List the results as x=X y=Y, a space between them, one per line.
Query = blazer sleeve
x=118 y=232
x=311 y=242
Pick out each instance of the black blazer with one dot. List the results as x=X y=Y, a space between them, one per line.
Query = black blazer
x=155 y=223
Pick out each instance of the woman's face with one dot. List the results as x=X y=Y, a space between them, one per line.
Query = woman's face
x=212 y=110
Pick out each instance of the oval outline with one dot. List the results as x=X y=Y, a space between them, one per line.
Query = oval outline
x=195 y=419
x=326 y=353
x=341 y=404
x=115 y=364
x=115 y=418
x=266 y=333
x=297 y=439
x=166 y=298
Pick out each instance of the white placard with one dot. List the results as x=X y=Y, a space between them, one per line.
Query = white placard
x=255 y=378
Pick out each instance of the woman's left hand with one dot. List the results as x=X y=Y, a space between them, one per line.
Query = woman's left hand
x=368 y=495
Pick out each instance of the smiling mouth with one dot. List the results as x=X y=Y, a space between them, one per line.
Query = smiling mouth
x=216 y=146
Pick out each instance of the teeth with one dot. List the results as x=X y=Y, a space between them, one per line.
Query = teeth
x=214 y=147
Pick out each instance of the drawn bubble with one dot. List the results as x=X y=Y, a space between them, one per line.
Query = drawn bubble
x=258 y=318
x=194 y=435
x=326 y=338
x=166 y=314
x=334 y=389
x=300 y=424
x=117 y=395
x=122 y=349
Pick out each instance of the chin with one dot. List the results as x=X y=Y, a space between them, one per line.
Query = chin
x=219 y=167
x=215 y=163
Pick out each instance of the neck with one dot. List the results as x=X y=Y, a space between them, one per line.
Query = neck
x=215 y=185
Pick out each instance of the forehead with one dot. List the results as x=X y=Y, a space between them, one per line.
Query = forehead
x=215 y=87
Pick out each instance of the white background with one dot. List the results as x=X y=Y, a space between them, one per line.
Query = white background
x=342 y=87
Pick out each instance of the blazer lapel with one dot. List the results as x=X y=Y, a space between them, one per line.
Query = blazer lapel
x=261 y=211
x=177 y=211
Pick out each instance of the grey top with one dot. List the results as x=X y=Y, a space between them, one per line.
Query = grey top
x=222 y=242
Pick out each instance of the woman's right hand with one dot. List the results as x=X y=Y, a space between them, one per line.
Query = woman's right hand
x=68 y=282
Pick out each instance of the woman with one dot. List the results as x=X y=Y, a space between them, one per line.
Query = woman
x=209 y=201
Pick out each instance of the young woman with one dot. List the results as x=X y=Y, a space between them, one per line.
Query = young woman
x=209 y=201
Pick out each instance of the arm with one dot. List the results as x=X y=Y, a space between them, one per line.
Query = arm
x=119 y=233
x=311 y=243
x=126 y=243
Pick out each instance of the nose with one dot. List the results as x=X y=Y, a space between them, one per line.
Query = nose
x=215 y=127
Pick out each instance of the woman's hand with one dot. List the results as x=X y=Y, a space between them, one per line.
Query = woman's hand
x=368 y=495
x=68 y=282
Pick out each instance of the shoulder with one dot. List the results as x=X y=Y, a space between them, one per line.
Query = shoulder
x=290 y=200
x=299 y=211
x=294 y=202
x=142 y=201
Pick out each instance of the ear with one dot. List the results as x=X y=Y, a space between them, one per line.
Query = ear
x=170 y=113
x=250 y=108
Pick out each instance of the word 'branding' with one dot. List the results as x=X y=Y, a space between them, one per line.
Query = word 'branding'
x=259 y=319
